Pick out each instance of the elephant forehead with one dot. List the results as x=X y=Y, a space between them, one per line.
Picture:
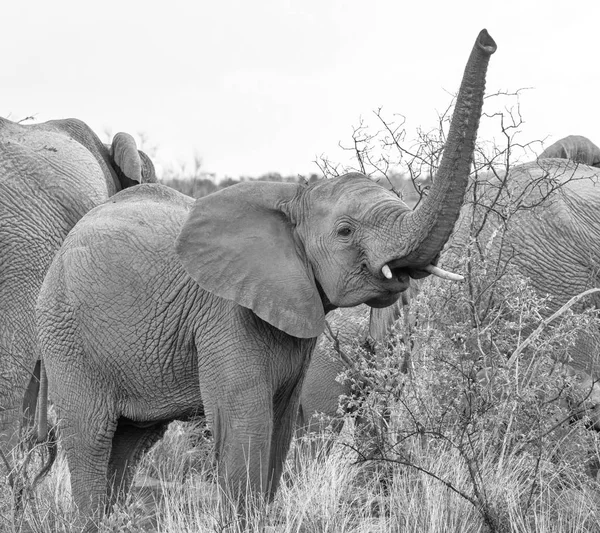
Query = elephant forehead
x=147 y=210
x=358 y=199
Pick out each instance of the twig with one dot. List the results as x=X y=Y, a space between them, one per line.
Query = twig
x=546 y=322
x=336 y=346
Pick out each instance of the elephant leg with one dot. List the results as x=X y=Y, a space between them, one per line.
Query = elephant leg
x=86 y=434
x=242 y=430
x=285 y=412
x=129 y=443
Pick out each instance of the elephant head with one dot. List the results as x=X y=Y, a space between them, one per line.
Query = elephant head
x=326 y=239
x=550 y=237
x=158 y=307
x=51 y=174
x=576 y=148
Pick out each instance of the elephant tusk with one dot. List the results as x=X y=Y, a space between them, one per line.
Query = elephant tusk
x=386 y=272
x=444 y=274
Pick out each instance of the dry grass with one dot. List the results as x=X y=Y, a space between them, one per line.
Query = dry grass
x=175 y=492
x=504 y=464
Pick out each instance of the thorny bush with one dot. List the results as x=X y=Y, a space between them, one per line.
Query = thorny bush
x=462 y=397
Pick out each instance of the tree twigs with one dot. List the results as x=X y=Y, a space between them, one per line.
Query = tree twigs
x=544 y=323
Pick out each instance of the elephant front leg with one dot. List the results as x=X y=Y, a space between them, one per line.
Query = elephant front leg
x=243 y=428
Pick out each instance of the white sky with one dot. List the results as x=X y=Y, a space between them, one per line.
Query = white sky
x=254 y=86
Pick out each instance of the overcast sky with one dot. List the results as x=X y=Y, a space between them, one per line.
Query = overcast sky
x=254 y=86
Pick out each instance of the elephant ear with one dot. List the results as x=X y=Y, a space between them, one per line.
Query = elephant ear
x=148 y=171
x=126 y=157
x=238 y=243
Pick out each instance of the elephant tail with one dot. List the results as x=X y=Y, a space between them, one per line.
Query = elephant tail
x=35 y=412
x=35 y=402
x=42 y=407
x=30 y=398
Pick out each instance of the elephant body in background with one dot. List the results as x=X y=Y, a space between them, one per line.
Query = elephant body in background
x=575 y=148
x=544 y=219
x=51 y=174
x=347 y=330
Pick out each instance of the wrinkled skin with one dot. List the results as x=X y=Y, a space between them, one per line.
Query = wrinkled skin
x=159 y=308
x=575 y=148
x=51 y=174
x=551 y=239
x=555 y=244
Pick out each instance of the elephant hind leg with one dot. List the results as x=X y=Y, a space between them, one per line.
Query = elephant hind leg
x=129 y=443
x=86 y=438
x=285 y=415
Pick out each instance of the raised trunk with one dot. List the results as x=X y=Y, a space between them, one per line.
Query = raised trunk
x=426 y=230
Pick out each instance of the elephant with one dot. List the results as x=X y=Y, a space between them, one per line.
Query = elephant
x=552 y=238
x=576 y=148
x=158 y=307
x=51 y=174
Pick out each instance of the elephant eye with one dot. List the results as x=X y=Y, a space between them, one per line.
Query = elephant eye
x=344 y=231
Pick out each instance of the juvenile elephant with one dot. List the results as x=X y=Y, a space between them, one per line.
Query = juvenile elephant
x=51 y=174
x=158 y=307
x=552 y=237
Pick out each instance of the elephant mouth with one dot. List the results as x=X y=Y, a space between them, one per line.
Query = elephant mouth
x=384 y=301
x=399 y=280
x=392 y=288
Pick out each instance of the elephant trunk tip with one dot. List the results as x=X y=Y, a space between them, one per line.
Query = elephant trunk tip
x=486 y=43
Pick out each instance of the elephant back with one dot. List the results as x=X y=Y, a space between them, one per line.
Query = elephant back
x=83 y=135
x=576 y=148
x=153 y=192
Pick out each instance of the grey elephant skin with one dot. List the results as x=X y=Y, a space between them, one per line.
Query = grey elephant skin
x=158 y=307
x=51 y=174
x=553 y=239
x=575 y=148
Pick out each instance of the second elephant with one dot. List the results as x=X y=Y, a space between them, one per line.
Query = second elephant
x=51 y=174
x=575 y=148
